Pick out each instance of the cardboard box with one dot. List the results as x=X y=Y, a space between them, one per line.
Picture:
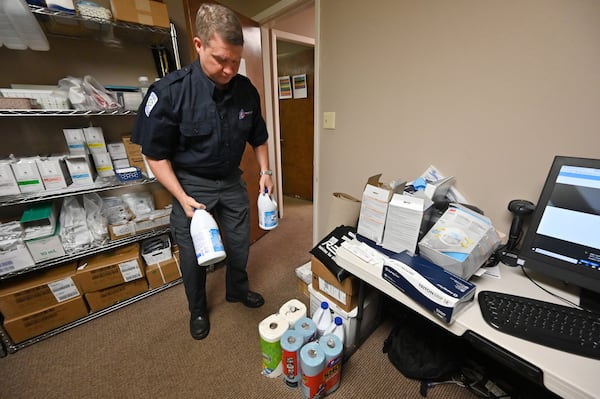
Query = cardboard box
x=144 y=12
x=103 y=164
x=109 y=269
x=80 y=169
x=8 y=183
x=54 y=172
x=344 y=294
x=94 y=139
x=27 y=175
x=403 y=222
x=442 y=293
x=304 y=279
x=75 y=141
x=15 y=257
x=36 y=323
x=460 y=241
x=354 y=332
x=117 y=150
x=38 y=290
x=374 y=207
x=134 y=154
x=46 y=248
x=162 y=273
x=98 y=300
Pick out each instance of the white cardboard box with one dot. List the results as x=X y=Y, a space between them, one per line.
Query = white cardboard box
x=15 y=257
x=46 y=248
x=94 y=138
x=75 y=141
x=80 y=170
x=27 y=175
x=54 y=172
x=103 y=164
x=8 y=183
x=116 y=150
x=374 y=207
x=403 y=222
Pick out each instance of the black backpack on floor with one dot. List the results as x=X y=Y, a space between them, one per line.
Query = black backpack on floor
x=422 y=351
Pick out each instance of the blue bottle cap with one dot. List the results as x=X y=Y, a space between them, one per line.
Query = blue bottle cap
x=324 y=305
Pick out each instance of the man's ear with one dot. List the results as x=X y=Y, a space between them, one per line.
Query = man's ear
x=197 y=43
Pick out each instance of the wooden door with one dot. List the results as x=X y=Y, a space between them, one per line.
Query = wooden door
x=253 y=60
x=296 y=124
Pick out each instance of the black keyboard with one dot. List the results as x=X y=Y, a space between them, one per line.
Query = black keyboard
x=560 y=327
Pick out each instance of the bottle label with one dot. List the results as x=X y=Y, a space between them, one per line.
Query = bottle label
x=269 y=219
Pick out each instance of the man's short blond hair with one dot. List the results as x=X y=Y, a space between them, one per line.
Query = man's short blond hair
x=213 y=18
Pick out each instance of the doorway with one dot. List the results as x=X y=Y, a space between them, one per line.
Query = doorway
x=296 y=119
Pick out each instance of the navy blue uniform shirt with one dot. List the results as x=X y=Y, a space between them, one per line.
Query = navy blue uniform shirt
x=186 y=119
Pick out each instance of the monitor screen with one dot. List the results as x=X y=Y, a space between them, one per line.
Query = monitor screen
x=563 y=237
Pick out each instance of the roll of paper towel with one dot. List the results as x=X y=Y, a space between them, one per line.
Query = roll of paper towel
x=293 y=310
x=271 y=330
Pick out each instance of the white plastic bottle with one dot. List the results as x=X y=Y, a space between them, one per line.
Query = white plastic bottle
x=338 y=328
x=267 y=212
x=206 y=238
x=144 y=85
x=322 y=318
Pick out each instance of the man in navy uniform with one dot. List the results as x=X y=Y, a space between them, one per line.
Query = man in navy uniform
x=193 y=126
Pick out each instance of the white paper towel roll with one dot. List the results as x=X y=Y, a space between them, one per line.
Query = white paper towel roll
x=293 y=310
x=270 y=330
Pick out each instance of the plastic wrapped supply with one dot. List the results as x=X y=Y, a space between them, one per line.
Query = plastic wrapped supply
x=140 y=203
x=87 y=94
x=74 y=232
x=96 y=222
x=115 y=210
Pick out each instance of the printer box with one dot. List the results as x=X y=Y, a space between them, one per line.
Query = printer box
x=374 y=207
x=32 y=324
x=101 y=299
x=436 y=289
x=110 y=268
x=460 y=241
x=38 y=290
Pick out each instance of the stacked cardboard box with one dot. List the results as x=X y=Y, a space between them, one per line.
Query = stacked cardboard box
x=34 y=305
x=109 y=278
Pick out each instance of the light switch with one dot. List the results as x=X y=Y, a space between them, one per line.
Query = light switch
x=329 y=120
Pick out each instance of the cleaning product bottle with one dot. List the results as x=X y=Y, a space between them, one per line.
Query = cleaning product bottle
x=144 y=85
x=338 y=330
x=206 y=238
x=267 y=211
x=322 y=318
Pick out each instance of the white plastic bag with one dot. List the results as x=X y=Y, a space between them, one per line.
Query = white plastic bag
x=74 y=232
x=96 y=222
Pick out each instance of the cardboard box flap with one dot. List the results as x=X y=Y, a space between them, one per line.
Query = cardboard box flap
x=395 y=186
x=325 y=250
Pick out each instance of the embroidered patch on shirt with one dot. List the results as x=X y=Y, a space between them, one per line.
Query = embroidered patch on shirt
x=150 y=103
x=243 y=114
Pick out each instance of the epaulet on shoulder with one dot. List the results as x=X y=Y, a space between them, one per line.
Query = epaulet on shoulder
x=173 y=77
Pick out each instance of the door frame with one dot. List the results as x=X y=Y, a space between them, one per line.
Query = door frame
x=273 y=88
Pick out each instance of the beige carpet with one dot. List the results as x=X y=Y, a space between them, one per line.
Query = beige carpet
x=145 y=351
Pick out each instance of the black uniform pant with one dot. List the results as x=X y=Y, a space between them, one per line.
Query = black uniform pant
x=227 y=201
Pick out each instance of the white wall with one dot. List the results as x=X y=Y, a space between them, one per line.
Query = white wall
x=488 y=91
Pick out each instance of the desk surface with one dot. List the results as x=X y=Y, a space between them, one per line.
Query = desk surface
x=565 y=374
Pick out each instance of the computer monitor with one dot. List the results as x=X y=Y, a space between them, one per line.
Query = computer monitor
x=563 y=237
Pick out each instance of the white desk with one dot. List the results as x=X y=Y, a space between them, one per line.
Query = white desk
x=567 y=375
